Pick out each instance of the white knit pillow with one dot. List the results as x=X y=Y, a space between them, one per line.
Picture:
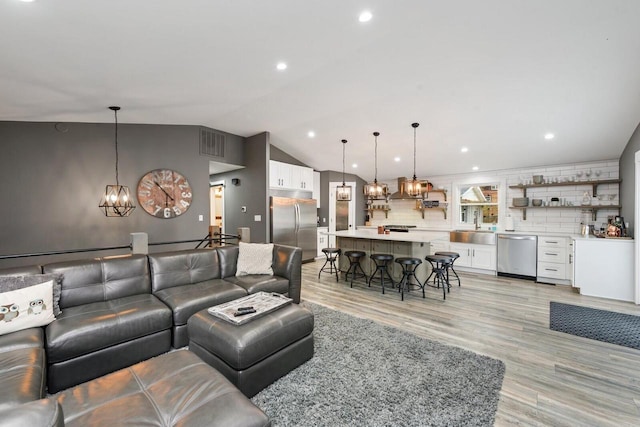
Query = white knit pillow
x=255 y=258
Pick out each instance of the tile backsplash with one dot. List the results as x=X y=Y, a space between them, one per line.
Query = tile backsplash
x=566 y=220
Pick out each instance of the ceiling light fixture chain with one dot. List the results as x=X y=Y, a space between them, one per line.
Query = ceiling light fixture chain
x=415 y=126
x=414 y=187
x=116 y=200
x=373 y=190
x=115 y=113
x=375 y=156
x=343 y=192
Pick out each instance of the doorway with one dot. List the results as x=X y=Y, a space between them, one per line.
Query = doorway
x=216 y=206
x=342 y=214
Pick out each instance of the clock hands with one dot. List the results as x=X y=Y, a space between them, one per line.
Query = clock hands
x=165 y=192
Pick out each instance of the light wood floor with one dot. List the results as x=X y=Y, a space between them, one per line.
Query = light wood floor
x=551 y=378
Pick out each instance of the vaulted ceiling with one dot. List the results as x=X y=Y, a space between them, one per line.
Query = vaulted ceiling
x=493 y=76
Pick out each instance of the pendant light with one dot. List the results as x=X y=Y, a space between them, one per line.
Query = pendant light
x=414 y=187
x=116 y=200
x=343 y=192
x=373 y=190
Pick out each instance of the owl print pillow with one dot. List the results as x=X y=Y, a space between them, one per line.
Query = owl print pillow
x=25 y=308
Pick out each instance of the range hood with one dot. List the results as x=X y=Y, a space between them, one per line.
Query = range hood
x=401 y=195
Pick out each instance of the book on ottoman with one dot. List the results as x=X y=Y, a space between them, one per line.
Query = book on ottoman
x=245 y=309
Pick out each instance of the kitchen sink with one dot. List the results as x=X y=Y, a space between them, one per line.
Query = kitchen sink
x=480 y=237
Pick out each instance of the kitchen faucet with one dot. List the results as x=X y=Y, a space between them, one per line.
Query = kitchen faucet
x=476 y=223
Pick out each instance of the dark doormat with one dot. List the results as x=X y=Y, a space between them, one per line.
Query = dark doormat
x=602 y=325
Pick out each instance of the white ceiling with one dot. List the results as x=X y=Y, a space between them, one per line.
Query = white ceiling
x=492 y=75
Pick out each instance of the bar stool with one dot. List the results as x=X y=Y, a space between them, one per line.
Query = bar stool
x=454 y=256
x=439 y=265
x=332 y=255
x=354 y=265
x=381 y=261
x=409 y=266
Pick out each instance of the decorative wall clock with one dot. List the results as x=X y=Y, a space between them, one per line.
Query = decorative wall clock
x=164 y=193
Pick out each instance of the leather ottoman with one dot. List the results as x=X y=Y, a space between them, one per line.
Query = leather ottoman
x=257 y=353
x=174 y=389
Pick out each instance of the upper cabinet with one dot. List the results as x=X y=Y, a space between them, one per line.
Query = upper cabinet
x=290 y=177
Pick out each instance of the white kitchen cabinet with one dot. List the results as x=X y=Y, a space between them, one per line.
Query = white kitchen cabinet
x=290 y=177
x=482 y=257
x=301 y=178
x=279 y=175
x=316 y=187
x=604 y=268
x=555 y=259
x=322 y=240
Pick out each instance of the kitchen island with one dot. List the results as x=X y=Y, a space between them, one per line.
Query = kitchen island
x=398 y=244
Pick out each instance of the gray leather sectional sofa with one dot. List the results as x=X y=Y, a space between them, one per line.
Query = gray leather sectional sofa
x=123 y=310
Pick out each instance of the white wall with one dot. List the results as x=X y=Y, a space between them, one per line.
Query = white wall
x=541 y=220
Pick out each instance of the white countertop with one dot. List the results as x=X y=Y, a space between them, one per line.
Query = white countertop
x=422 y=231
x=392 y=236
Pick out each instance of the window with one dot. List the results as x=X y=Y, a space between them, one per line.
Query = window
x=479 y=203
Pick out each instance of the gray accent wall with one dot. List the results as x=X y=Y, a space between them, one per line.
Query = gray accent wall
x=52 y=182
x=251 y=192
x=280 y=156
x=627 y=174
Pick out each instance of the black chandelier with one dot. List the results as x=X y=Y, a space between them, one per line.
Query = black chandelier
x=116 y=200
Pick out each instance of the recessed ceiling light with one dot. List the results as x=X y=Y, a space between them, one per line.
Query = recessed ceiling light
x=354 y=165
x=281 y=66
x=396 y=159
x=311 y=134
x=475 y=168
x=365 y=16
x=464 y=149
x=549 y=136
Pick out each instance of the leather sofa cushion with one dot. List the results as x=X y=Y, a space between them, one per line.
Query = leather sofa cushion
x=242 y=346
x=177 y=268
x=26 y=338
x=40 y=413
x=253 y=283
x=95 y=280
x=187 y=300
x=176 y=388
x=22 y=367
x=90 y=327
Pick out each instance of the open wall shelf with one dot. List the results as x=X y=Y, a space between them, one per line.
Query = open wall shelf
x=593 y=208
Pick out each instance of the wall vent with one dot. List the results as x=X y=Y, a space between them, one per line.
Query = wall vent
x=211 y=143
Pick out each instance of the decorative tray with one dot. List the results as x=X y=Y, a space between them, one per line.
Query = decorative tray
x=262 y=302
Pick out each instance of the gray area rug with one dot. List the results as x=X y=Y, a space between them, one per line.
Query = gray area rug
x=602 y=325
x=366 y=374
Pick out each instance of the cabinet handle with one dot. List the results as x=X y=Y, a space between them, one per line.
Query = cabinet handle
x=547 y=253
x=473 y=252
x=570 y=258
x=550 y=241
x=551 y=269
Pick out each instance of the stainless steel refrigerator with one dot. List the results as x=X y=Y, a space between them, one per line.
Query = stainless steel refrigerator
x=294 y=223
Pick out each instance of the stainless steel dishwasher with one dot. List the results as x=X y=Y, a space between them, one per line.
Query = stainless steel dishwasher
x=517 y=256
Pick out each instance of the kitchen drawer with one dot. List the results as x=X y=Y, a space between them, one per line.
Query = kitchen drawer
x=552 y=242
x=551 y=270
x=552 y=255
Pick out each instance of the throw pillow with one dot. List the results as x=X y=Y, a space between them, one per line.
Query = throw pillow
x=255 y=258
x=26 y=308
x=12 y=283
